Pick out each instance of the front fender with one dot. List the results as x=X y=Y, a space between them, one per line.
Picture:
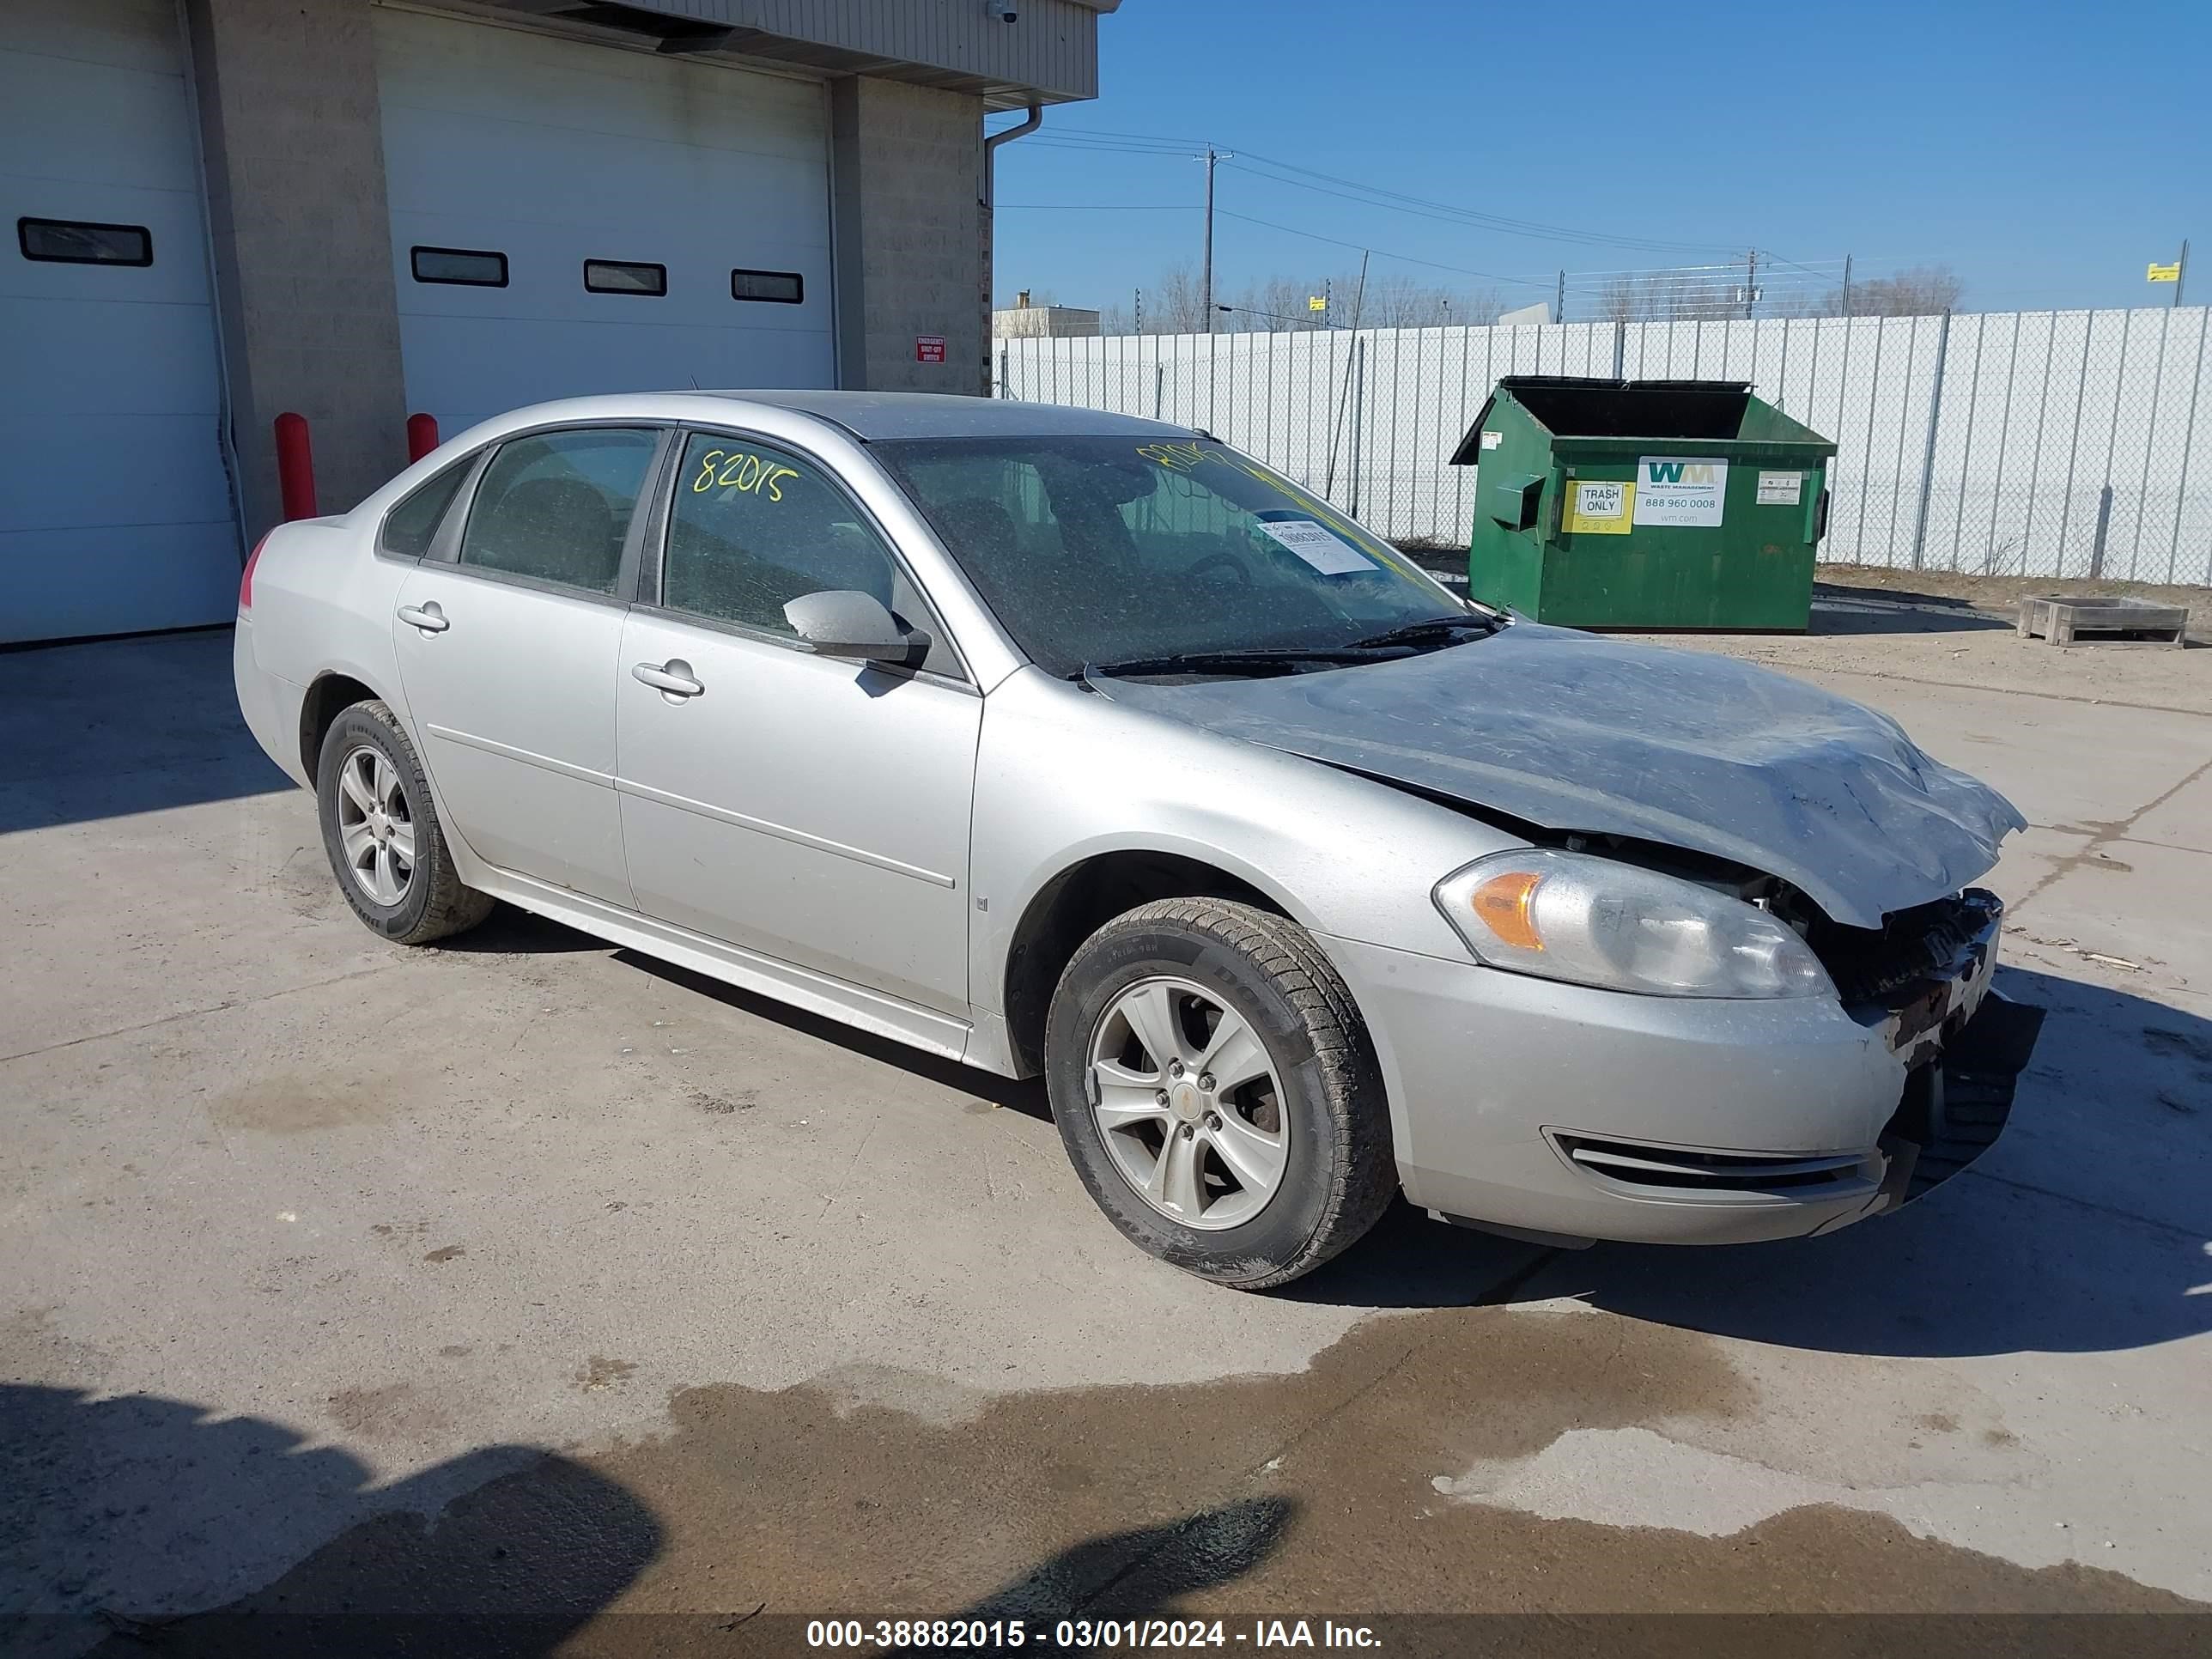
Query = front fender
x=1063 y=776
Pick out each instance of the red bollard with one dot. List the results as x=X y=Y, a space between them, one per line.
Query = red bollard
x=295 y=466
x=422 y=436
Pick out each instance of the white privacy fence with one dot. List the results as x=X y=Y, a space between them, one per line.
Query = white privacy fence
x=2074 y=443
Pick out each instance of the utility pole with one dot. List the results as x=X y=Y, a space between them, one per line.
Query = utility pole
x=1560 y=304
x=1750 y=280
x=1137 y=311
x=1847 y=285
x=1358 y=300
x=1206 y=296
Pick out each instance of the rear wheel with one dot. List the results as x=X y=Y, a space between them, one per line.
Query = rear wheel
x=1218 y=1092
x=382 y=834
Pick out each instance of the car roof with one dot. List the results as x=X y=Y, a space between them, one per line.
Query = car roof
x=888 y=415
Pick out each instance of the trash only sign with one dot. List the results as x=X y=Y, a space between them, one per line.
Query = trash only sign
x=1598 y=507
x=1674 y=490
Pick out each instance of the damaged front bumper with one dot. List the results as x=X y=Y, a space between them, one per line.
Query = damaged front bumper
x=1577 y=1114
x=1963 y=1046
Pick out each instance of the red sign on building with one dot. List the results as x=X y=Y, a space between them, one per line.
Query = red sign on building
x=929 y=347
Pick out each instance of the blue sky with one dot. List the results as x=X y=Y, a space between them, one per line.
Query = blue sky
x=2046 y=151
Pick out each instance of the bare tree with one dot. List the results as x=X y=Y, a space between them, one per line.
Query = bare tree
x=1622 y=300
x=1174 y=304
x=1921 y=291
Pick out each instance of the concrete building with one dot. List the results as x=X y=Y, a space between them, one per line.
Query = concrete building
x=358 y=209
x=1023 y=321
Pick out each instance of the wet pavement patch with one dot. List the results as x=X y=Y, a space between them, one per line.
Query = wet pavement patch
x=1258 y=1494
x=873 y=1490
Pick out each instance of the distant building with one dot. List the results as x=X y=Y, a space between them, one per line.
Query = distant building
x=1028 y=322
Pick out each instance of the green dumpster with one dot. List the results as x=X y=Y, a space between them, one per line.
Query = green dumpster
x=1644 y=504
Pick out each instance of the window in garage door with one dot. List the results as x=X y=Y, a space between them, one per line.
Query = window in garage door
x=77 y=242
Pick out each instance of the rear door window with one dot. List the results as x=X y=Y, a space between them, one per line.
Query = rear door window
x=411 y=527
x=555 y=507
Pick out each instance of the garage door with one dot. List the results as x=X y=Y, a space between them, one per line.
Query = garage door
x=115 y=513
x=571 y=218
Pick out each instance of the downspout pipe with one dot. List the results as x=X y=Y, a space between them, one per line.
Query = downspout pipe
x=991 y=142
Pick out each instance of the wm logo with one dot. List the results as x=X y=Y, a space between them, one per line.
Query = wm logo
x=1677 y=472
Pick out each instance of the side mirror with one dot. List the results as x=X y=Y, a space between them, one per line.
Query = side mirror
x=846 y=622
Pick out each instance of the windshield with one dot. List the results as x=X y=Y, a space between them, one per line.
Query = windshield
x=1104 y=549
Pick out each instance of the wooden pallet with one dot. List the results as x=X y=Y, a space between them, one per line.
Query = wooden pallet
x=2061 y=621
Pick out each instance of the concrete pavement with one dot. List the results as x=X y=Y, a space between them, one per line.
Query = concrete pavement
x=685 y=1302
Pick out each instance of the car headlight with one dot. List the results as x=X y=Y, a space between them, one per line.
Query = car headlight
x=1595 y=922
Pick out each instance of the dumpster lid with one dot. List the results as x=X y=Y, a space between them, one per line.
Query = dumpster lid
x=1593 y=406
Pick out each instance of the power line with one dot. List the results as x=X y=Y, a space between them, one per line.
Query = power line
x=1362 y=247
x=1676 y=282
x=1146 y=138
x=1421 y=207
x=1376 y=195
x=1692 y=280
x=1120 y=142
x=1066 y=142
x=1777 y=258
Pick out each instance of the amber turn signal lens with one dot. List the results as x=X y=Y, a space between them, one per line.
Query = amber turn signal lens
x=1502 y=903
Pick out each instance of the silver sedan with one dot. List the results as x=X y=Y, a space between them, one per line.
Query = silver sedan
x=1068 y=743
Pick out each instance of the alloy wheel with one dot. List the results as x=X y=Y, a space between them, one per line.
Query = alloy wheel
x=376 y=825
x=1189 y=1103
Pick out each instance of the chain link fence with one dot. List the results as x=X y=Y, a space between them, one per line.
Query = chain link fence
x=2065 y=443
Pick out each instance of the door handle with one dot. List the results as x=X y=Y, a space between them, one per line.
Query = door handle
x=672 y=678
x=427 y=617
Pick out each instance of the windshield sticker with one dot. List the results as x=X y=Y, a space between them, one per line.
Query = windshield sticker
x=1329 y=553
x=1186 y=456
x=748 y=475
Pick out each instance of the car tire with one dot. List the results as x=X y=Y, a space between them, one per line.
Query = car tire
x=374 y=801
x=1204 y=960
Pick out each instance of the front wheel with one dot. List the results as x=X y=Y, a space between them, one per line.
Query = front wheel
x=1217 y=1091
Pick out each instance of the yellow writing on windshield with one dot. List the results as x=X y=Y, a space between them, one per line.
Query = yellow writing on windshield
x=747 y=475
x=1179 y=457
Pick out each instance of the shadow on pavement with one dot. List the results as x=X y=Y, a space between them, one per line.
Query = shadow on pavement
x=1025 y=1096
x=124 y=727
x=2087 y=1228
x=510 y=932
x=1134 y=1574
x=1839 y=608
x=135 y=1508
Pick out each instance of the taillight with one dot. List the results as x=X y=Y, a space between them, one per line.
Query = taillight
x=245 y=578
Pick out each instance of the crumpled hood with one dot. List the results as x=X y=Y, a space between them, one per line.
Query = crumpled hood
x=1576 y=731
